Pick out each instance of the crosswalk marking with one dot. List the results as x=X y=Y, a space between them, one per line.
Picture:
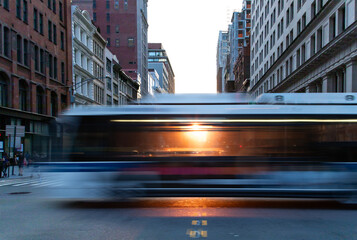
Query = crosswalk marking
x=26 y=183
x=38 y=182
x=45 y=183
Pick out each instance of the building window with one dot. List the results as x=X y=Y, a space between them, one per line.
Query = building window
x=54 y=34
x=53 y=104
x=109 y=66
x=108 y=17
x=49 y=5
x=42 y=61
x=23 y=95
x=62 y=40
x=298 y=58
x=26 y=52
x=41 y=23
x=37 y=63
x=109 y=84
x=116 y=4
x=49 y=30
x=107 y=4
x=60 y=10
x=25 y=9
x=298 y=27
x=117 y=43
x=125 y=5
x=62 y=72
x=108 y=42
x=19 y=49
x=3 y=91
x=94 y=17
x=108 y=29
x=94 y=4
x=40 y=100
x=115 y=88
x=50 y=65
x=6 y=4
x=312 y=45
x=109 y=100
x=320 y=4
x=18 y=9
x=117 y=29
x=35 y=19
x=332 y=26
x=342 y=19
x=1 y=41
x=131 y=42
x=303 y=21
x=55 y=70
x=313 y=10
x=54 y=6
x=319 y=39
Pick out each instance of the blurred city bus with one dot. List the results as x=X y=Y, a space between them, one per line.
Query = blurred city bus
x=278 y=145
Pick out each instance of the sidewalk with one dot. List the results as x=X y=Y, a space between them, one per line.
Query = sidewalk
x=27 y=172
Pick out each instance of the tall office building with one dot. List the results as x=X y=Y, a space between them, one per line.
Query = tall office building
x=221 y=58
x=35 y=70
x=123 y=23
x=159 y=61
x=239 y=34
x=238 y=37
x=304 y=46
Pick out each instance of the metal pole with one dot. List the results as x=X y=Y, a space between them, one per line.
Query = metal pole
x=13 y=150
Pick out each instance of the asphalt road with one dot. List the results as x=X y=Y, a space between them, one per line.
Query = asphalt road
x=25 y=214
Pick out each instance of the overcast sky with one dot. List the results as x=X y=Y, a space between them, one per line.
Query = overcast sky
x=188 y=30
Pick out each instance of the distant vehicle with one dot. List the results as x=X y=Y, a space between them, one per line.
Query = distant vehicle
x=280 y=145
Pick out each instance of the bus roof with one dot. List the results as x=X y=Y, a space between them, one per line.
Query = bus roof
x=196 y=99
x=228 y=104
x=307 y=98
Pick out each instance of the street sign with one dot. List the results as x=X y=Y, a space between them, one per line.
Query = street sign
x=20 y=130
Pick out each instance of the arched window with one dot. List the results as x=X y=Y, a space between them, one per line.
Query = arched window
x=23 y=96
x=54 y=103
x=40 y=98
x=3 y=90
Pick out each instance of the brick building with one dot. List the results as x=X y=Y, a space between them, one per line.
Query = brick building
x=124 y=25
x=35 y=69
x=242 y=70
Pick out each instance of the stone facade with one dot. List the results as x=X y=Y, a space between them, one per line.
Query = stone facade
x=304 y=46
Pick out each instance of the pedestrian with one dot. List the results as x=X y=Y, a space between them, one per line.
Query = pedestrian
x=28 y=159
x=13 y=163
x=20 y=163
x=5 y=164
x=2 y=162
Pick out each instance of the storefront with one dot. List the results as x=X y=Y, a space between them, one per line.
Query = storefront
x=37 y=141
